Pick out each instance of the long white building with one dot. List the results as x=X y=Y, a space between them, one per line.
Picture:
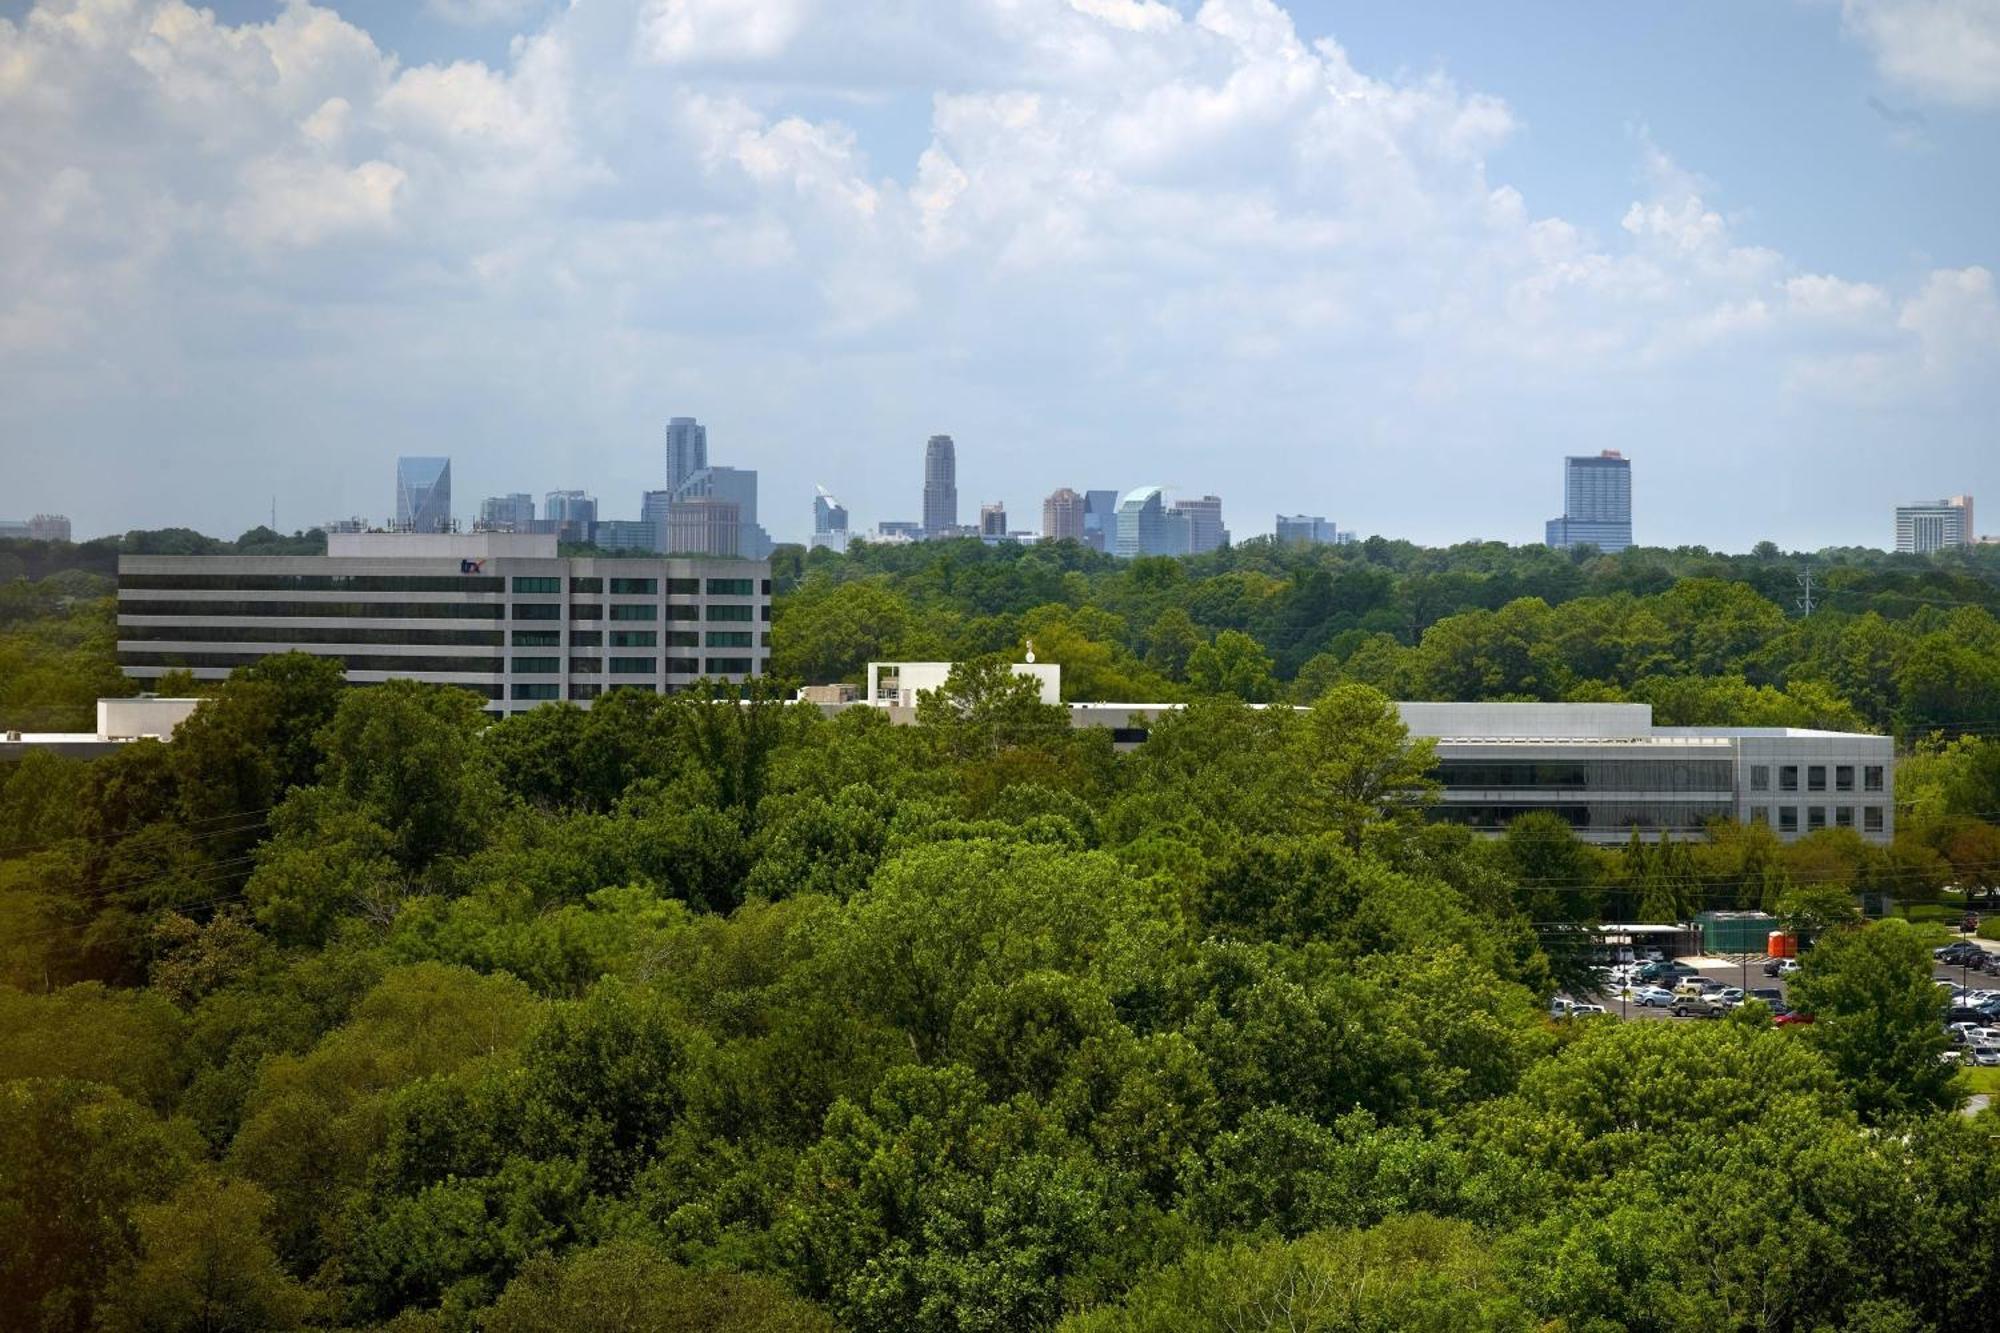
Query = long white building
x=1604 y=769
x=500 y=614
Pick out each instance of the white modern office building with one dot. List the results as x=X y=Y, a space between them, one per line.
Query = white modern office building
x=497 y=613
x=1597 y=503
x=1934 y=525
x=1604 y=769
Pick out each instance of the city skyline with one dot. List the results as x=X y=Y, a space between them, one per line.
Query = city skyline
x=1400 y=243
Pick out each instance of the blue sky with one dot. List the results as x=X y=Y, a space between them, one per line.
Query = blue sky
x=1383 y=262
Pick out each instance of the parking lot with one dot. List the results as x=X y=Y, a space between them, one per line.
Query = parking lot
x=1749 y=976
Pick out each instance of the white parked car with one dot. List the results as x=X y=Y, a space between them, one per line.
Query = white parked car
x=1652 y=997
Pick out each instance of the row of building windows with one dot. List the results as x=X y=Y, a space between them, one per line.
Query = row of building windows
x=587 y=585
x=141 y=606
x=1787 y=817
x=1632 y=775
x=1597 y=816
x=1872 y=776
x=636 y=611
x=440 y=638
x=312 y=583
x=488 y=666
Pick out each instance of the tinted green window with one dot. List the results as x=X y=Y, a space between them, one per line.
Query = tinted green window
x=482 y=638
x=728 y=666
x=586 y=611
x=591 y=585
x=683 y=613
x=395 y=664
x=634 y=587
x=683 y=587
x=683 y=638
x=633 y=666
x=537 y=611
x=538 y=666
x=731 y=587
x=635 y=638
x=537 y=585
x=683 y=666
x=729 y=638
x=579 y=690
x=311 y=583
x=586 y=666
x=140 y=606
x=586 y=638
x=737 y=613
x=540 y=690
x=538 y=638
x=648 y=612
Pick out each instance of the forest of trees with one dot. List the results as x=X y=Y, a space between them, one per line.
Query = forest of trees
x=358 y=1009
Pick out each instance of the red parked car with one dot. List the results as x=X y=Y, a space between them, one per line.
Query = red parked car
x=1792 y=1016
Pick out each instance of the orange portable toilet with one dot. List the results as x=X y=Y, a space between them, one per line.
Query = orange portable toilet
x=1782 y=945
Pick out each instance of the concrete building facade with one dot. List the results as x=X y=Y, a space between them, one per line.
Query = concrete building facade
x=1934 y=526
x=501 y=615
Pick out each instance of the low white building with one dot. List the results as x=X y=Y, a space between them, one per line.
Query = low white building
x=897 y=684
x=119 y=722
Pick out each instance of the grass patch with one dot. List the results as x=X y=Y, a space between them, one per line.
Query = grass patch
x=1986 y=1080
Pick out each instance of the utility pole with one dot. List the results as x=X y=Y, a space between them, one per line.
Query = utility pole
x=1806 y=592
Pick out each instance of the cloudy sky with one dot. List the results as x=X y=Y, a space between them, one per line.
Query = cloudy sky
x=1383 y=262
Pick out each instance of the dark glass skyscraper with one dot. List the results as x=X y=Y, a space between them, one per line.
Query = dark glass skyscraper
x=687 y=451
x=940 y=485
x=423 y=494
x=1597 y=503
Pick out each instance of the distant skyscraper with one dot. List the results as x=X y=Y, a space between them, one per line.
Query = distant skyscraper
x=829 y=522
x=940 y=486
x=507 y=513
x=40 y=528
x=1204 y=521
x=1305 y=530
x=1100 y=519
x=1062 y=516
x=1147 y=527
x=1597 y=503
x=993 y=519
x=738 y=486
x=899 y=530
x=704 y=525
x=423 y=494
x=654 y=508
x=687 y=450
x=624 y=534
x=1925 y=527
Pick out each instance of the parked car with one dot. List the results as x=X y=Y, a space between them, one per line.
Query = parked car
x=1768 y=994
x=1967 y=1015
x=1698 y=1006
x=1564 y=1007
x=1652 y=997
x=1729 y=995
x=1986 y=1056
x=1781 y=967
x=1790 y=1017
x=1660 y=969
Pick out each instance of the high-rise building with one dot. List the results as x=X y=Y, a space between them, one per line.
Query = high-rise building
x=1062 y=516
x=654 y=508
x=899 y=530
x=738 y=486
x=1305 y=530
x=1597 y=503
x=500 y=614
x=507 y=513
x=829 y=522
x=687 y=450
x=40 y=528
x=705 y=525
x=570 y=515
x=940 y=486
x=1204 y=524
x=423 y=494
x=1147 y=527
x=1100 y=519
x=1925 y=527
x=993 y=520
